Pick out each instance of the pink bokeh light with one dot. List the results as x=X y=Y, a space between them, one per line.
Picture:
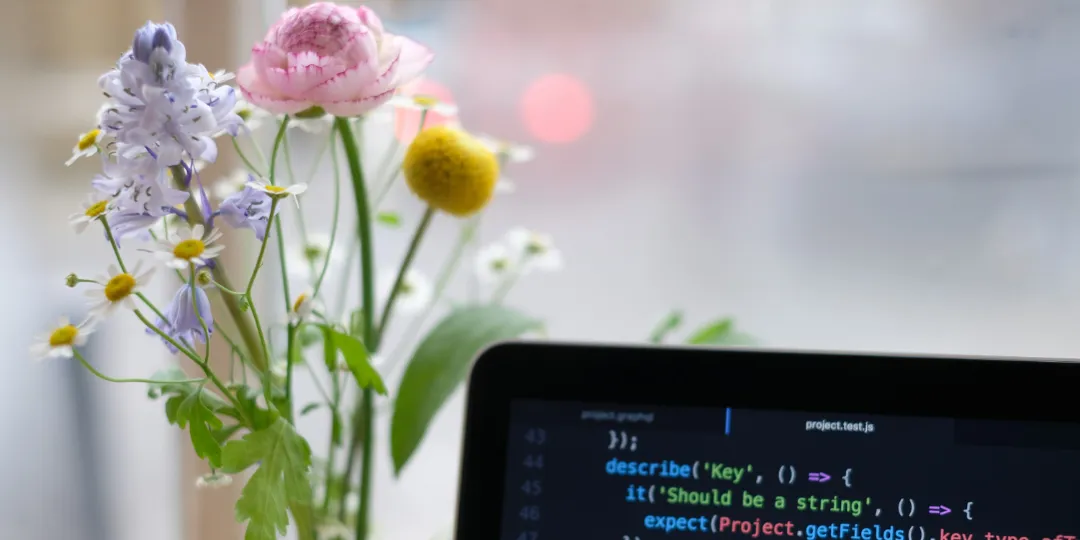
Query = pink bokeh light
x=557 y=108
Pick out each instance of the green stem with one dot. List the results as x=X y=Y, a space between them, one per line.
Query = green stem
x=446 y=273
x=508 y=283
x=334 y=219
x=363 y=217
x=267 y=375
x=278 y=139
x=102 y=376
x=289 y=353
x=244 y=158
x=410 y=254
x=232 y=305
x=358 y=430
x=112 y=242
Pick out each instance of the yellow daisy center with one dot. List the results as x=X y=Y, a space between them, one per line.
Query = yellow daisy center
x=275 y=189
x=96 y=209
x=299 y=302
x=119 y=287
x=89 y=139
x=313 y=252
x=535 y=248
x=189 y=249
x=65 y=335
x=425 y=101
x=500 y=265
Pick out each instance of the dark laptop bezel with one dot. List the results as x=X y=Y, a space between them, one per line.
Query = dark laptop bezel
x=938 y=386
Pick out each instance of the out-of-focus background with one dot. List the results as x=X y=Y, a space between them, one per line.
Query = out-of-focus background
x=899 y=175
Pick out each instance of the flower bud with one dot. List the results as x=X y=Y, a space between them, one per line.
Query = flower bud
x=71 y=280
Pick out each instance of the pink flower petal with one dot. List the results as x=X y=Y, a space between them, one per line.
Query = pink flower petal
x=295 y=81
x=357 y=107
x=413 y=59
x=350 y=84
x=266 y=56
x=370 y=19
x=257 y=92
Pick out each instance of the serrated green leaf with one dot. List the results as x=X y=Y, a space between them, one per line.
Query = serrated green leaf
x=712 y=333
x=440 y=365
x=200 y=422
x=309 y=407
x=224 y=434
x=284 y=459
x=668 y=324
x=356 y=357
x=171 y=408
x=390 y=219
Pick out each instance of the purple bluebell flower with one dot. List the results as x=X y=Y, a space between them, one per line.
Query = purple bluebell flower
x=249 y=209
x=181 y=321
x=152 y=36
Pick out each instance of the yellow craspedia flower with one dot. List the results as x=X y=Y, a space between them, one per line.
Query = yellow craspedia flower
x=451 y=170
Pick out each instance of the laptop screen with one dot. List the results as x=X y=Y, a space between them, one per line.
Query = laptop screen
x=595 y=472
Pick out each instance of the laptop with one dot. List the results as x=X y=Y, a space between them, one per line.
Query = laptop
x=593 y=442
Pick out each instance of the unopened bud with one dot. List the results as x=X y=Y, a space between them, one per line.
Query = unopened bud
x=71 y=280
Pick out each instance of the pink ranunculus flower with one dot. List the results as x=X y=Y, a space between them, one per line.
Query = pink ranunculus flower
x=335 y=57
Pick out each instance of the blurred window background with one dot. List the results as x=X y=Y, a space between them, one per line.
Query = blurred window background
x=899 y=175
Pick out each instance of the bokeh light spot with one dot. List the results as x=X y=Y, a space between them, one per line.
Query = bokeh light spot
x=406 y=121
x=557 y=108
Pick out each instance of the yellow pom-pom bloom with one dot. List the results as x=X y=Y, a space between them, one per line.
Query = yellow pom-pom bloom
x=451 y=170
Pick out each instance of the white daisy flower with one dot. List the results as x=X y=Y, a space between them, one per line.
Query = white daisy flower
x=301 y=307
x=86 y=146
x=277 y=192
x=187 y=246
x=494 y=263
x=221 y=76
x=511 y=152
x=252 y=116
x=422 y=102
x=117 y=289
x=534 y=251
x=95 y=206
x=232 y=184
x=61 y=342
x=213 y=481
x=414 y=293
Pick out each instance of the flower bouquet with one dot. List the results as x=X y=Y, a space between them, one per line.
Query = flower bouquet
x=330 y=70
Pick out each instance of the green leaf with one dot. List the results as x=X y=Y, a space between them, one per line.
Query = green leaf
x=712 y=333
x=200 y=421
x=329 y=349
x=440 y=365
x=390 y=219
x=356 y=357
x=309 y=407
x=284 y=458
x=171 y=408
x=669 y=323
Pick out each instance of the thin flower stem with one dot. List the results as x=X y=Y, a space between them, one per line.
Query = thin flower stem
x=150 y=305
x=262 y=251
x=389 y=183
x=346 y=275
x=290 y=352
x=449 y=269
x=300 y=223
x=251 y=303
x=247 y=332
x=504 y=289
x=225 y=289
x=104 y=377
x=363 y=217
x=410 y=254
x=278 y=140
x=334 y=219
x=112 y=242
x=244 y=158
x=195 y=307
